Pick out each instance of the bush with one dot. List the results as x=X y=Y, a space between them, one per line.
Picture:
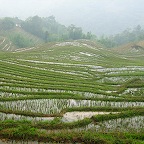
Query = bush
x=21 y=41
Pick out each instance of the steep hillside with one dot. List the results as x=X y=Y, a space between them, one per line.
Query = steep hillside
x=17 y=38
x=6 y=44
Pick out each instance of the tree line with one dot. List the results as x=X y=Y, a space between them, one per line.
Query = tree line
x=48 y=29
x=129 y=35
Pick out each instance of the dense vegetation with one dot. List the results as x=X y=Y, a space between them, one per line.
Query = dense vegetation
x=47 y=29
x=129 y=35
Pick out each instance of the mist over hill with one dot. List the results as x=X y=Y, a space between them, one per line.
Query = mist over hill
x=98 y=16
x=109 y=22
x=34 y=30
x=17 y=33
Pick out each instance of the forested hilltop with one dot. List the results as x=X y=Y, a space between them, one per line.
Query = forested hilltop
x=16 y=33
x=26 y=33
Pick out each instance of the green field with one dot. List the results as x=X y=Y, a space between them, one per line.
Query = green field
x=72 y=92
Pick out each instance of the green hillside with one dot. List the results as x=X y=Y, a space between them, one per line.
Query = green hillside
x=72 y=92
x=17 y=38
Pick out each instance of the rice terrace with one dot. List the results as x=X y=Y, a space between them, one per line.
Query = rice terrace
x=72 y=92
x=71 y=72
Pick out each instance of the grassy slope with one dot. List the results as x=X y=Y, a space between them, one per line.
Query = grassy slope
x=78 y=54
x=69 y=68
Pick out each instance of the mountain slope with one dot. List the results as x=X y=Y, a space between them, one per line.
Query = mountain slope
x=17 y=38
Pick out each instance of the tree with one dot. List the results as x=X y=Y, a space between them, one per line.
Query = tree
x=34 y=26
x=89 y=35
x=75 y=32
x=21 y=41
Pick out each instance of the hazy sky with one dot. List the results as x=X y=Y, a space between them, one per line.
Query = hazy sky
x=98 y=16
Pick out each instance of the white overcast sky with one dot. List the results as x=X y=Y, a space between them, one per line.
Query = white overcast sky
x=91 y=15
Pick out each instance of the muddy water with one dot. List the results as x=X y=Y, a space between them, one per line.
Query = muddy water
x=75 y=116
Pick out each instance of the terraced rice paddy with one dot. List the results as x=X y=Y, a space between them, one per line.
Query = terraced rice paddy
x=135 y=123
x=76 y=86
